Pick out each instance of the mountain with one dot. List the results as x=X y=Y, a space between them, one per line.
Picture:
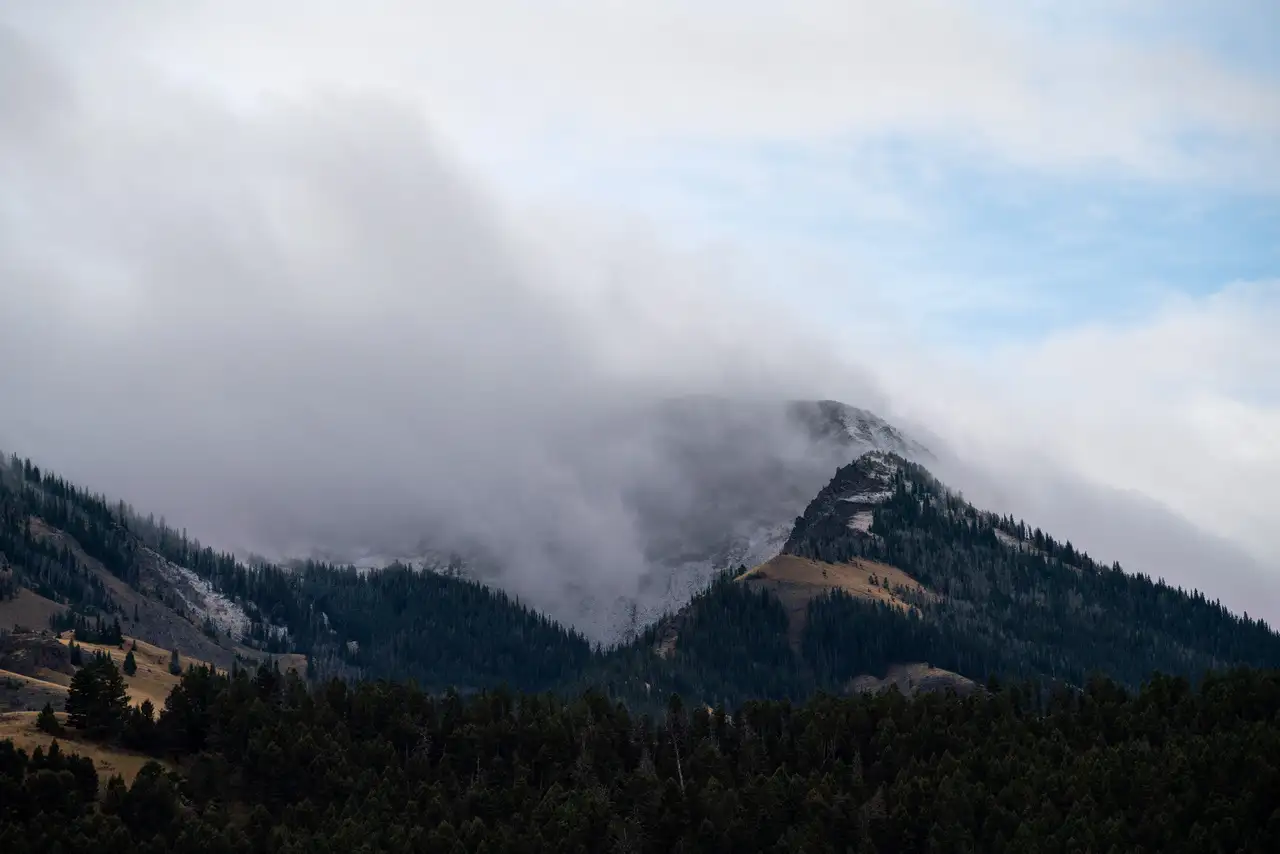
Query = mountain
x=890 y=577
x=889 y=585
x=886 y=578
x=705 y=484
x=747 y=470
x=71 y=559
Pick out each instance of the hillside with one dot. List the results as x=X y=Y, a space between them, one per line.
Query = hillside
x=1006 y=599
x=887 y=573
x=108 y=760
x=796 y=582
x=36 y=667
x=72 y=556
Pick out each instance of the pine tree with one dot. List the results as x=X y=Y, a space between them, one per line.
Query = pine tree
x=47 y=721
x=175 y=663
x=130 y=664
x=77 y=658
x=97 y=701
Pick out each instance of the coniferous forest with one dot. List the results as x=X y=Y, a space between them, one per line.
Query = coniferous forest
x=438 y=714
x=259 y=762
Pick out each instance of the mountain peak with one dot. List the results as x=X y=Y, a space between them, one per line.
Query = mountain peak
x=854 y=492
x=851 y=426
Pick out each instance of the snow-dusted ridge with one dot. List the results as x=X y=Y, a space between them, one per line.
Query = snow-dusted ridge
x=201 y=600
x=199 y=597
x=879 y=496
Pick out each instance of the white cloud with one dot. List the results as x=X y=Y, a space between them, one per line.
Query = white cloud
x=1182 y=406
x=992 y=77
x=304 y=328
x=196 y=153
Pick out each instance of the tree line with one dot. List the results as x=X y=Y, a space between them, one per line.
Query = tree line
x=260 y=762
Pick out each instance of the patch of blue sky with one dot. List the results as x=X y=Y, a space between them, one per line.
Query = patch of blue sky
x=1244 y=34
x=986 y=250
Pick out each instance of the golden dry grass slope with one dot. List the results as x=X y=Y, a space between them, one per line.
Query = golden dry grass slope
x=913 y=679
x=20 y=727
x=796 y=581
x=22 y=692
x=27 y=610
x=153 y=681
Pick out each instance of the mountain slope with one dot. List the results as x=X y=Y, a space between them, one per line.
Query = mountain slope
x=887 y=578
x=69 y=555
x=1010 y=600
x=887 y=570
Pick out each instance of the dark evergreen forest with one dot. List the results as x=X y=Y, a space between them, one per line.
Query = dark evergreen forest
x=259 y=762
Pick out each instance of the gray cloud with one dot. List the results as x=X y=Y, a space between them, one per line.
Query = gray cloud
x=303 y=329
x=297 y=325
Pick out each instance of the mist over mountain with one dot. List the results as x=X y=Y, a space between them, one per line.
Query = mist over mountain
x=300 y=326
x=705 y=484
x=651 y=427
x=313 y=333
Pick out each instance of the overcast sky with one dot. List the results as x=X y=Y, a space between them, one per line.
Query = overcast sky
x=238 y=241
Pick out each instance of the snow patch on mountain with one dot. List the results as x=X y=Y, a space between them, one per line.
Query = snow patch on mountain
x=862 y=521
x=871 y=497
x=199 y=597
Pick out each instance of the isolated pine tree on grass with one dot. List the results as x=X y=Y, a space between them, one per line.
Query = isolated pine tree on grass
x=97 y=701
x=47 y=721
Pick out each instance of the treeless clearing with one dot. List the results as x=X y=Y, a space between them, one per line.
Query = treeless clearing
x=21 y=728
x=913 y=679
x=19 y=692
x=796 y=581
x=153 y=681
x=28 y=610
x=33 y=680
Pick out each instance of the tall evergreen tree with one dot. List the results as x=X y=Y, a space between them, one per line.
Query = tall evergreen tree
x=97 y=701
